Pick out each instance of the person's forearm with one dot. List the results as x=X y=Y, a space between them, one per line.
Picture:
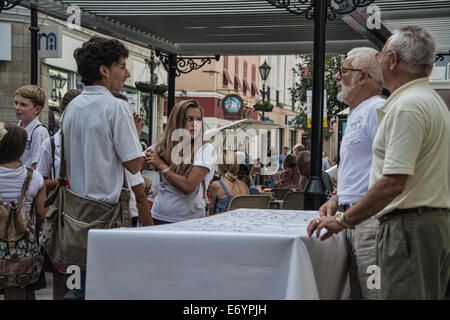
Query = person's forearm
x=385 y=189
x=50 y=184
x=180 y=182
x=145 y=217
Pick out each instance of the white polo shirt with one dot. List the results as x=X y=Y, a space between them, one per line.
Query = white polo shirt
x=36 y=134
x=46 y=161
x=99 y=135
x=413 y=139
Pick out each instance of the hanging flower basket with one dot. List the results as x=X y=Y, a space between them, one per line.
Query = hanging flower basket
x=147 y=87
x=265 y=106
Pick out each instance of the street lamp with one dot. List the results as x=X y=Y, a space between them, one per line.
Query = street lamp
x=264 y=71
x=58 y=82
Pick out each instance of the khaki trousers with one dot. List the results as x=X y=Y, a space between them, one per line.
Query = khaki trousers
x=413 y=252
x=361 y=242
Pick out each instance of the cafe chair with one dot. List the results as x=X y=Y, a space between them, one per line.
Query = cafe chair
x=250 y=201
x=278 y=194
x=293 y=200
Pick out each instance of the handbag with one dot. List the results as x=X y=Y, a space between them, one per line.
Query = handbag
x=20 y=259
x=71 y=216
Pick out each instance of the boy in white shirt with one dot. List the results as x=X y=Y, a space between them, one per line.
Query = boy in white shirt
x=28 y=103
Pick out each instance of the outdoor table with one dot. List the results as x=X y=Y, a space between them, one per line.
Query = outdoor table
x=241 y=254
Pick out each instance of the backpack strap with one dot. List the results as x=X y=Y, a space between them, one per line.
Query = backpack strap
x=32 y=132
x=52 y=144
x=25 y=187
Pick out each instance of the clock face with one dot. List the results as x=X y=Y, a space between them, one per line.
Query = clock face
x=232 y=104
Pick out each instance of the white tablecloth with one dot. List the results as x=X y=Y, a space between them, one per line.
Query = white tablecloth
x=242 y=254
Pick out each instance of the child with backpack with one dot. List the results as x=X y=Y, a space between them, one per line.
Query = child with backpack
x=21 y=188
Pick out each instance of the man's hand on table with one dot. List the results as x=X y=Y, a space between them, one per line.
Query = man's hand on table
x=329 y=223
x=329 y=208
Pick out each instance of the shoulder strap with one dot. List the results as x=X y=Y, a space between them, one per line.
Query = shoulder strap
x=32 y=132
x=62 y=167
x=25 y=185
x=224 y=187
x=52 y=144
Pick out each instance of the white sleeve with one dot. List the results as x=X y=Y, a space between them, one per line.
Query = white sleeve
x=38 y=137
x=133 y=179
x=206 y=157
x=372 y=121
x=45 y=161
x=125 y=140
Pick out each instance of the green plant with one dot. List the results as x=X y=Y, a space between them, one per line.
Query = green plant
x=147 y=87
x=265 y=106
x=300 y=89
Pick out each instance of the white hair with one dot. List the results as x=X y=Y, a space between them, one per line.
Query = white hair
x=365 y=58
x=415 y=47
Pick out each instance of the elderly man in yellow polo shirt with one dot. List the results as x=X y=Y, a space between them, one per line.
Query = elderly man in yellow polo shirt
x=410 y=176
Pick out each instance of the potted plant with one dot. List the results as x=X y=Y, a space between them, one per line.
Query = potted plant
x=265 y=106
x=153 y=87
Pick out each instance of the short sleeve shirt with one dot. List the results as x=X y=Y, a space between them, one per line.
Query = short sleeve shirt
x=99 y=136
x=46 y=161
x=36 y=134
x=413 y=139
x=172 y=205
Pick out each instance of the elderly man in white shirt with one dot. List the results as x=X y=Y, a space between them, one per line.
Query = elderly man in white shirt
x=359 y=85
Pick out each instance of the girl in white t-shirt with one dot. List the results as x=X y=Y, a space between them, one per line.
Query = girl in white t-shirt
x=186 y=164
x=12 y=177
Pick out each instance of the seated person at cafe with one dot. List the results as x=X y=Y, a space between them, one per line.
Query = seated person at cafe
x=290 y=177
x=228 y=186
x=304 y=166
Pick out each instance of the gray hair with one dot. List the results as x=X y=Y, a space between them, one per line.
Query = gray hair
x=365 y=58
x=415 y=47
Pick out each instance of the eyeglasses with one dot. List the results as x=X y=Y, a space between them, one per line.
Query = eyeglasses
x=344 y=71
x=380 y=55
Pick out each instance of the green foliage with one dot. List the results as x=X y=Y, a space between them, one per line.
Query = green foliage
x=299 y=91
x=265 y=106
x=147 y=87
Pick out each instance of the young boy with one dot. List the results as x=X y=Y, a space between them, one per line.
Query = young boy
x=28 y=103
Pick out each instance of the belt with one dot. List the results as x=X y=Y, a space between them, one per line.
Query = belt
x=345 y=207
x=418 y=210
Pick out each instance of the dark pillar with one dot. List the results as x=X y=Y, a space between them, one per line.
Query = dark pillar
x=171 y=82
x=314 y=196
x=34 y=45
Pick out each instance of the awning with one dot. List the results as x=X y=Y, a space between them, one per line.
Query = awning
x=240 y=27
x=244 y=125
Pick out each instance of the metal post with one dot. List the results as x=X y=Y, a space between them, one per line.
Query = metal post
x=171 y=82
x=150 y=104
x=314 y=196
x=263 y=97
x=34 y=28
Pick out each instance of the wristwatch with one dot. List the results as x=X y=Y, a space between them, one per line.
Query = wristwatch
x=341 y=220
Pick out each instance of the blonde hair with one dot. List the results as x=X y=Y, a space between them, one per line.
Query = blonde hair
x=229 y=170
x=177 y=120
x=33 y=93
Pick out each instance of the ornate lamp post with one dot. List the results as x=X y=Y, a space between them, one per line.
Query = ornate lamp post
x=58 y=82
x=264 y=71
x=8 y=4
x=319 y=11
